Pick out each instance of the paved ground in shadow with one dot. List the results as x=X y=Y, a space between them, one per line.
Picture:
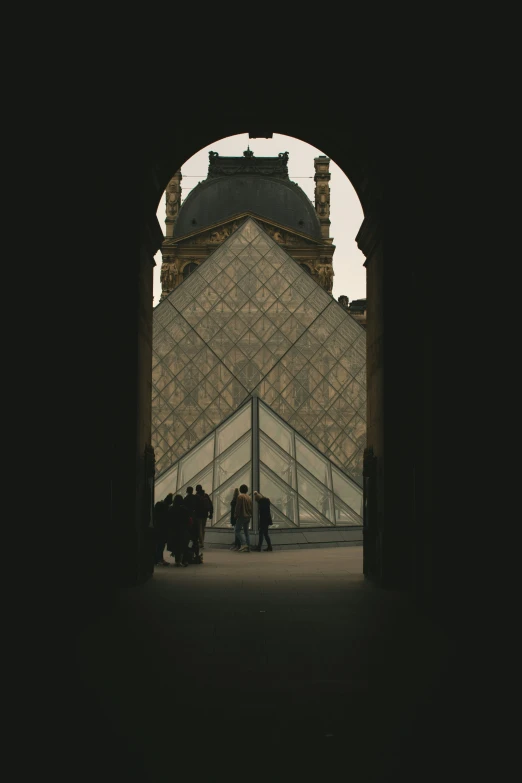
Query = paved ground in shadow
x=281 y=666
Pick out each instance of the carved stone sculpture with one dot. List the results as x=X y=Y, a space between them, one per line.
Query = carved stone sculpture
x=167 y=276
x=326 y=275
x=173 y=195
x=172 y=203
x=220 y=234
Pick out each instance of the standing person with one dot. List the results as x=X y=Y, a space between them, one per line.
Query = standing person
x=243 y=514
x=237 y=543
x=178 y=529
x=204 y=510
x=189 y=501
x=265 y=519
x=160 y=525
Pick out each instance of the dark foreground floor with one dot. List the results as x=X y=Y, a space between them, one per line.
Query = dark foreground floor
x=267 y=666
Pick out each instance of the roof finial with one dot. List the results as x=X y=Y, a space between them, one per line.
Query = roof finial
x=248 y=152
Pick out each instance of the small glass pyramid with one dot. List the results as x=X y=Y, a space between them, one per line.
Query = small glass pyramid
x=305 y=488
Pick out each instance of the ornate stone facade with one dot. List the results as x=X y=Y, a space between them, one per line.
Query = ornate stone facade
x=172 y=202
x=322 y=193
x=314 y=255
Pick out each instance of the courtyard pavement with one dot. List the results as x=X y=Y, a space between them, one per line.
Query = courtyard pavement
x=283 y=665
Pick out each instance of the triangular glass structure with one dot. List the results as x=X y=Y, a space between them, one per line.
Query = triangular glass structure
x=248 y=321
x=255 y=447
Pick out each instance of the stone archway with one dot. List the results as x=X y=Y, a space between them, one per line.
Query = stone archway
x=369 y=190
x=127 y=424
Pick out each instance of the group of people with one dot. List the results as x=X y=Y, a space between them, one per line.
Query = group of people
x=240 y=516
x=180 y=524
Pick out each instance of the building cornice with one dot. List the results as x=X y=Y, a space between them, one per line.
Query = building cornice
x=169 y=241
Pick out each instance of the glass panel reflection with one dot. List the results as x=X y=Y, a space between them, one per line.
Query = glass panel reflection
x=305 y=313
x=277 y=460
x=275 y=429
x=279 y=520
x=204 y=478
x=249 y=283
x=221 y=313
x=355 y=468
x=250 y=257
x=224 y=522
x=194 y=312
x=179 y=298
x=222 y=496
x=232 y=460
x=166 y=484
x=234 y=394
x=161 y=376
x=163 y=344
x=264 y=328
x=232 y=429
x=291 y=299
x=222 y=284
x=194 y=462
x=309 y=516
x=319 y=298
x=312 y=461
x=218 y=410
x=315 y=493
x=280 y=494
x=236 y=270
x=348 y=491
x=345 y=515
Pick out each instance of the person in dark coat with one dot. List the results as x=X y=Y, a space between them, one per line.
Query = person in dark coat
x=189 y=501
x=160 y=525
x=265 y=519
x=178 y=530
x=237 y=543
x=204 y=510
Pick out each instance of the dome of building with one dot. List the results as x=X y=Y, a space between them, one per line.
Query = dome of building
x=259 y=186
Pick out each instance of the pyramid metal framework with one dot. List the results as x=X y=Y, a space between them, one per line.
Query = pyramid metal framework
x=249 y=321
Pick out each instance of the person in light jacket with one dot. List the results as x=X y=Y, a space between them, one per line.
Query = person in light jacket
x=243 y=514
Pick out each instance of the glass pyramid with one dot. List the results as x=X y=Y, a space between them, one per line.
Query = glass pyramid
x=255 y=447
x=248 y=321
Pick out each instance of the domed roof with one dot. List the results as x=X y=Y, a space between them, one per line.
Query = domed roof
x=257 y=185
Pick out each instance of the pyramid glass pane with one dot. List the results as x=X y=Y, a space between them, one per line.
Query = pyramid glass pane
x=282 y=497
x=276 y=430
x=310 y=517
x=316 y=494
x=249 y=320
x=167 y=483
x=278 y=461
x=344 y=515
x=204 y=478
x=222 y=496
x=233 y=428
x=312 y=461
x=347 y=491
x=234 y=458
x=201 y=456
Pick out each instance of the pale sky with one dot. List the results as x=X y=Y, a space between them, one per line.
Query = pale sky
x=346 y=213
